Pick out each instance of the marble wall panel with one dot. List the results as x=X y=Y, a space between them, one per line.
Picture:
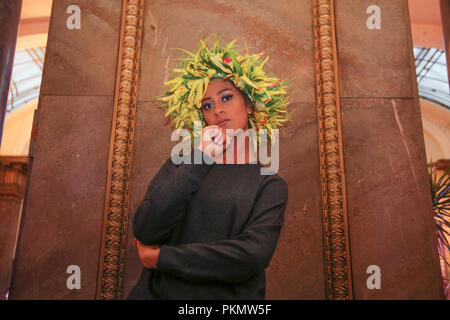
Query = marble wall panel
x=374 y=62
x=297 y=270
x=389 y=201
x=62 y=221
x=82 y=61
x=282 y=29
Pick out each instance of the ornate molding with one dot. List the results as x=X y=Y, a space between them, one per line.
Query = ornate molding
x=334 y=207
x=115 y=219
x=13 y=177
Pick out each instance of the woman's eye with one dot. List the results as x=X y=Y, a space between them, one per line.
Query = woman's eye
x=207 y=105
x=227 y=97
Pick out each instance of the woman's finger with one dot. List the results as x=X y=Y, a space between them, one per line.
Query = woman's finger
x=219 y=137
x=218 y=140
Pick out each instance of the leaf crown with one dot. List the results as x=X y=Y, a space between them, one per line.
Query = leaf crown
x=268 y=94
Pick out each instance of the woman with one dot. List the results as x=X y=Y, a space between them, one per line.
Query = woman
x=208 y=230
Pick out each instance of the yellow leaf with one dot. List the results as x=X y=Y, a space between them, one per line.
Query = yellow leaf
x=185 y=51
x=247 y=80
x=170 y=110
x=216 y=61
x=173 y=81
x=231 y=44
x=263 y=63
x=167 y=98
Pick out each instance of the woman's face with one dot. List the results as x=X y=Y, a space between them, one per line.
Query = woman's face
x=225 y=106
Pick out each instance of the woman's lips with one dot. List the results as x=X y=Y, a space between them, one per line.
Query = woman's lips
x=223 y=122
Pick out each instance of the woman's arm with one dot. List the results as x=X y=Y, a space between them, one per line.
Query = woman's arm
x=166 y=198
x=237 y=259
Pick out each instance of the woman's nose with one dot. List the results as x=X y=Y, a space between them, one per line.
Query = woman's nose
x=219 y=108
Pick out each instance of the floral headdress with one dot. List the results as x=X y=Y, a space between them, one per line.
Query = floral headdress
x=182 y=101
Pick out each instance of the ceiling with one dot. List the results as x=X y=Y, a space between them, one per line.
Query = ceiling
x=35 y=17
x=426 y=26
x=431 y=71
x=35 y=9
x=425 y=11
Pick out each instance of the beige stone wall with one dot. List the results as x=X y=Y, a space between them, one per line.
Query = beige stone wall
x=63 y=213
x=283 y=30
x=390 y=214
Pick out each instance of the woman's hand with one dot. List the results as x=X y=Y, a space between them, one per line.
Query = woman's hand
x=212 y=136
x=147 y=254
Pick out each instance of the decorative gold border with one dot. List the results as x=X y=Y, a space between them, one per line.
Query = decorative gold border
x=115 y=219
x=334 y=206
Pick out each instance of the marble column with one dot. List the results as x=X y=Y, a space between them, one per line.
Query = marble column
x=63 y=211
x=388 y=193
x=9 y=24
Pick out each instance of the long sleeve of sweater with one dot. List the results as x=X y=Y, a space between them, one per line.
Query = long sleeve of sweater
x=166 y=198
x=233 y=260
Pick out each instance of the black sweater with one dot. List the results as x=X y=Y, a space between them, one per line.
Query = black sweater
x=217 y=225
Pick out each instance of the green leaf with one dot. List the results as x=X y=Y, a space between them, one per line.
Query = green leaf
x=236 y=66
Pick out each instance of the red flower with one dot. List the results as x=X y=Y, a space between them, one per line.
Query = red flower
x=226 y=60
x=264 y=120
x=274 y=84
